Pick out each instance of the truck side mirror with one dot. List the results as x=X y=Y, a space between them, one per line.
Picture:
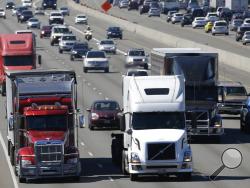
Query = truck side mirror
x=11 y=123
x=39 y=59
x=81 y=121
x=122 y=122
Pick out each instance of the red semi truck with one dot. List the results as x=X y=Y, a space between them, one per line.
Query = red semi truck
x=42 y=123
x=17 y=52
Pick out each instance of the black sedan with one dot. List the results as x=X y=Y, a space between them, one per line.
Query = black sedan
x=25 y=16
x=10 y=5
x=114 y=32
x=187 y=19
x=245 y=117
x=78 y=50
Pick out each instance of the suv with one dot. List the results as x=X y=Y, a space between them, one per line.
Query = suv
x=144 y=8
x=25 y=16
x=56 y=18
x=231 y=97
x=240 y=32
x=56 y=32
x=136 y=57
x=95 y=60
x=79 y=50
x=114 y=32
x=66 y=42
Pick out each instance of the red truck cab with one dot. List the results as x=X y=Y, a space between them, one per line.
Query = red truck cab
x=17 y=52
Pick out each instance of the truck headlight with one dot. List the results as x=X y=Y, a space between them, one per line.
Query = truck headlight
x=135 y=158
x=187 y=156
x=72 y=161
x=74 y=52
x=26 y=163
x=94 y=116
x=217 y=124
x=44 y=4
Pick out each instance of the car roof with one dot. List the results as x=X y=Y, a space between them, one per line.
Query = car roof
x=230 y=84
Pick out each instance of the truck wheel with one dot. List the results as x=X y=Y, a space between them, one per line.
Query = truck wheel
x=76 y=178
x=106 y=70
x=3 y=89
x=72 y=58
x=133 y=177
x=60 y=51
x=216 y=139
x=146 y=66
x=124 y=166
x=85 y=70
x=185 y=176
x=12 y=155
x=22 y=180
x=9 y=147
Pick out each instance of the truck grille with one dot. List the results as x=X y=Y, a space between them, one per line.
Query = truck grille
x=161 y=151
x=197 y=119
x=47 y=151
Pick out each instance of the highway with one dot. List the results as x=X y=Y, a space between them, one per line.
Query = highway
x=198 y=35
x=94 y=146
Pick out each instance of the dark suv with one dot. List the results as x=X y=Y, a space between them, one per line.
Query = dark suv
x=25 y=15
x=79 y=50
x=240 y=32
x=133 y=4
x=144 y=8
x=114 y=32
x=49 y=4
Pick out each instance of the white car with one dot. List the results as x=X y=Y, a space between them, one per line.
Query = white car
x=27 y=3
x=136 y=58
x=66 y=42
x=56 y=17
x=220 y=27
x=199 y=22
x=247 y=22
x=57 y=32
x=107 y=45
x=95 y=60
x=246 y=38
x=209 y=14
x=2 y=13
x=177 y=17
x=123 y=3
x=81 y=19
x=33 y=23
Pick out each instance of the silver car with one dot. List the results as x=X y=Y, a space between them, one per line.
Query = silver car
x=137 y=57
x=154 y=11
x=66 y=42
x=64 y=11
x=220 y=27
x=177 y=17
x=123 y=4
x=33 y=23
x=107 y=46
x=199 y=22
x=246 y=38
x=235 y=24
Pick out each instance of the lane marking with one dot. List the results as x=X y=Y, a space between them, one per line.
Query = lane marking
x=82 y=144
x=100 y=93
x=111 y=179
x=106 y=98
x=13 y=176
x=94 y=88
x=91 y=154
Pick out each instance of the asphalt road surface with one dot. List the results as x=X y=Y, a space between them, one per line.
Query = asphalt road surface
x=94 y=146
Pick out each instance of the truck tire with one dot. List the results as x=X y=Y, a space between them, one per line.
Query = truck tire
x=12 y=155
x=9 y=143
x=185 y=176
x=124 y=162
x=133 y=177
x=21 y=180
x=3 y=89
x=116 y=152
x=106 y=70
x=146 y=66
x=85 y=70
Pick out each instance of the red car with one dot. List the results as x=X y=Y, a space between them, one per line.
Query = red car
x=104 y=113
x=45 y=31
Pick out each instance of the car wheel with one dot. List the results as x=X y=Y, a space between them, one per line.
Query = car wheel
x=91 y=127
x=173 y=22
x=60 y=51
x=244 y=43
x=213 y=34
x=52 y=43
x=227 y=34
x=237 y=39
x=241 y=124
x=182 y=25
x=106 y=70
x=85 y=70
x=121 y=38
x=133 y=177
x=72 y=58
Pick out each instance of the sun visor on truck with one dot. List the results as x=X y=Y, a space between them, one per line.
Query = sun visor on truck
x=196 y=69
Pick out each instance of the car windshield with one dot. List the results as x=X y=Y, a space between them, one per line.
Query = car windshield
x=247 y=21
x=1 y=10
x=61 y=30
x=25 y=60
x=106 y=106
x=80 y=46
x=114 y=29
x=46 y=28
x=96 y=54
x=221 y=24
x=178 y=14
x=238 y=22
x=243 y=29
x=136 y=53
x=212 y=14
x=55 y=14
x=64 y=8
x=48 y=123
x=81 y=16
x=27 y=13
x=69 y=38
x=137 y=73
x=107 y=42
x=33 y=20
x=158 y=120
x=235 y=91
x=199 y=19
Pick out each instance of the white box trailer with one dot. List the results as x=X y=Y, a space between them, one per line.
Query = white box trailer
x=237 y=5
x=217 y=3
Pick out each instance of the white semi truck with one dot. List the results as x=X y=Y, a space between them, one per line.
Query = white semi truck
x=153 y=138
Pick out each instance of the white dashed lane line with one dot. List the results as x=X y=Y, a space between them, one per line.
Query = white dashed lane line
x=91 y=154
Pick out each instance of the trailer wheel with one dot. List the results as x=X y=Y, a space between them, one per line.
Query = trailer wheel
x=9 y=147
x=133 y=177
x=12 y=155
x=185 y=176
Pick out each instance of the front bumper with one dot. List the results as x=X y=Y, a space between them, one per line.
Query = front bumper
x=229 y=109
x=81 y=21
x=55 y=39
x=206 y=131
x=105 y=123
x=160 y=168
x=66 y=48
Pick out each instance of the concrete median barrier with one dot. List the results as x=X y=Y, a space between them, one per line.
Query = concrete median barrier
x=225 y=57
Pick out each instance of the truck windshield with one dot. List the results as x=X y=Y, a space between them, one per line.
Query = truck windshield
x=24 y=60
x=47 y=123
x=158 y=120
x=236 y=91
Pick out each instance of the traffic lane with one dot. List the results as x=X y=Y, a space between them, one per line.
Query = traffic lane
x=135 y=40
x=225 y=43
